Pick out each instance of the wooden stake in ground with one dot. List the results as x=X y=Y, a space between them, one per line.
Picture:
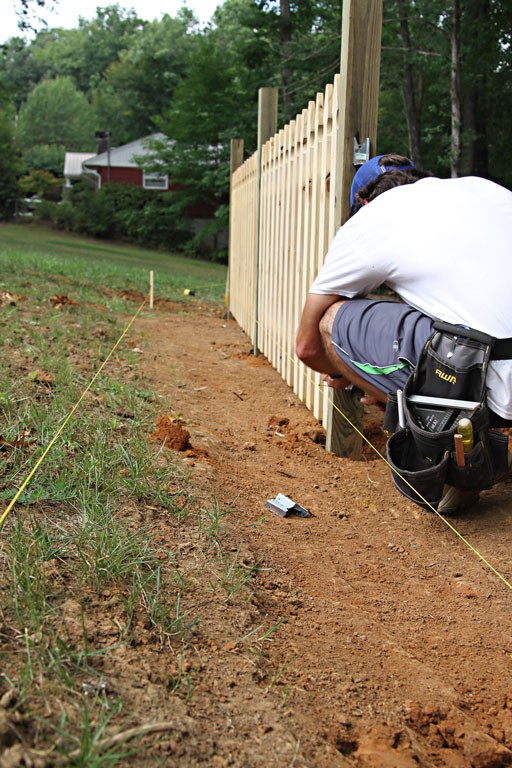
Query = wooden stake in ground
x=151 y=289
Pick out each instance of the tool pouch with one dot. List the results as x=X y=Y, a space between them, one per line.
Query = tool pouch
x=447 y=384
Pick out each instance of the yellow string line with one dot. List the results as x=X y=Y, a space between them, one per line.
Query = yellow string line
x=66 y=420
x=457 y=533
x=294 y=362
x=447 y=522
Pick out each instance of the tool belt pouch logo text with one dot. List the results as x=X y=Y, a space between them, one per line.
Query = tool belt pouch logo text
x=422 y=454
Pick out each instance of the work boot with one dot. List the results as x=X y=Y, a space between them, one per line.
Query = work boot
x=456 y=500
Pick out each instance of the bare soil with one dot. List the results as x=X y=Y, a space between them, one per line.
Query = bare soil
x=396 y=649
x=368 y=634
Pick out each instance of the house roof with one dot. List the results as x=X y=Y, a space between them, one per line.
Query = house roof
x=73 y=163
x=125 y=156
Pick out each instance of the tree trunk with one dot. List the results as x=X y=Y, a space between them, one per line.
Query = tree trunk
x=476 y=37
x=412 y=114
x=455 y=90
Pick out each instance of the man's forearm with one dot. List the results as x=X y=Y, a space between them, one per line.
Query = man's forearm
x=310 y=342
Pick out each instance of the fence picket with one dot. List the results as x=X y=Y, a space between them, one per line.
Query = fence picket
x=300 y=148
x=243 y=243
x=277 y=256
x=296 y=224
x=265 y=245
x=294 y=208
x=289 y=272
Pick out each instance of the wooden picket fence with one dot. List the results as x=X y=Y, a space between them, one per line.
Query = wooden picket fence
x=284 y=214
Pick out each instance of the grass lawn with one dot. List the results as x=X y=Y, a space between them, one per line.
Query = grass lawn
x=84 y=574
x=123 y=267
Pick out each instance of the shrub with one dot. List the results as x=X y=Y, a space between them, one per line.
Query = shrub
x=127 y=212
x=64 y=216
x=41 y=183
x=43 y=212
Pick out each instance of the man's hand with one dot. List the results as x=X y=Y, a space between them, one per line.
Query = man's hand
x=369 y=400
x=336 y=382
x=340 y=382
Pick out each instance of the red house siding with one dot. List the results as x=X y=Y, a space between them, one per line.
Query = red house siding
x=121 y=176
x=136 y=176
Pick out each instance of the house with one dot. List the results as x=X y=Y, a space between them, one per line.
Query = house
x=122 y=165
x=73 y=170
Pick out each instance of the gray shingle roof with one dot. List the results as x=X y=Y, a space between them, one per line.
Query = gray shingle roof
x=125 y=156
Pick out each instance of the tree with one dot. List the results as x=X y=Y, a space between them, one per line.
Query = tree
x=455 y=88
x=294 y=46
x=305 y=41
x=414 y=106
x=485 y=72
x=56 y=113
x=201 y=121
x=19 y=73
x=44 y=157
x=139 y=84
x=41 y=183
x=9 y=192
x=106 y=37
x=446 y=69
x=29 y=12
x=61 y=53
x=444 y=95
x=412 y=113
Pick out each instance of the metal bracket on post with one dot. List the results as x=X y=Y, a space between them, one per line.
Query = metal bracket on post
x=361 y=151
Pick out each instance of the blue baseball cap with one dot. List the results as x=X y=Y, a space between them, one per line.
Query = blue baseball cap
x=370 y=170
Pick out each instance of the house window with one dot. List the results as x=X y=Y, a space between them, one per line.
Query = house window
x=155 y=181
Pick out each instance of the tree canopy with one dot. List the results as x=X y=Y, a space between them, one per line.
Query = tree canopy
x=444 y=93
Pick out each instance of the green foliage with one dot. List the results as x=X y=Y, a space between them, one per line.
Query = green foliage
x=59 y=53
x=62 y=215
x=112 y=31
x=122 y=212
x=19 y=73
x=44 y=157
x=129 y=97
x=485 y=60
x=8 y=164
x=305 y=49
x=486 y=65
x=205 y=113
x=41 y=183
x=200 y=87
x=56 y=113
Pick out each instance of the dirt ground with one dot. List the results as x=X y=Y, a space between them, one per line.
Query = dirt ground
x=396 y=648
x=369 y=634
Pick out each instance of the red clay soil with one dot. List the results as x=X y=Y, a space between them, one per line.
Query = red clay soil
x=396 y=649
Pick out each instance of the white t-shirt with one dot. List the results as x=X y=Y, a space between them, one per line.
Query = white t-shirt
x=445 y=247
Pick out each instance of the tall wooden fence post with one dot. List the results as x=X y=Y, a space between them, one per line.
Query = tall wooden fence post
x=360 y=70
x=267 y=127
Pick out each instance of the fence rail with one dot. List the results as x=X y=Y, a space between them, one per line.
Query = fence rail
x=283 y=218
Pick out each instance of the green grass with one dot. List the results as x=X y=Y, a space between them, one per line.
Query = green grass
x=76 y=547
x=84 y=263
